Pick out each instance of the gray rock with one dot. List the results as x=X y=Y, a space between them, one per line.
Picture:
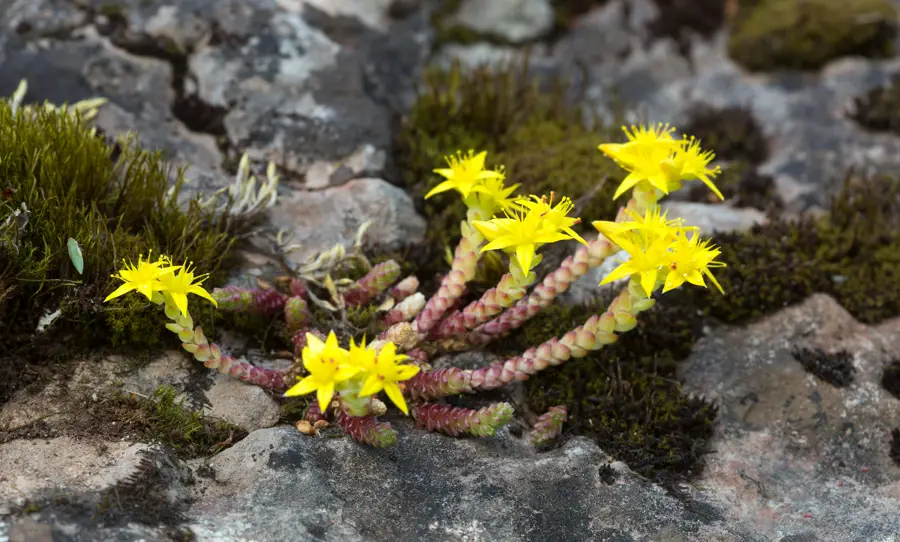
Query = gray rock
x=319 y=220
x=431 y=487
x=34 y=468
x=714 y=217
x=516 y=21
x=813 y=142
x=792 y=450
x=241 y=404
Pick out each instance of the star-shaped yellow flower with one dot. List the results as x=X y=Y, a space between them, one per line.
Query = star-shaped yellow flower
x=327 y=365
x=383 y=372
x=522 y=232
x=555 y=217
x=691 y=162
x=690 y=261
x=644 y=262
x=179 y=285
x=466 y=174
x=143 y=277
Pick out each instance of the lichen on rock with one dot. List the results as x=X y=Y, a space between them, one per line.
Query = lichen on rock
x=774 y=34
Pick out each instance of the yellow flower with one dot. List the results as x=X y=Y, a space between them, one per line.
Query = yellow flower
x=640 y=137
x=643 y=229
x=465 y=174
x=493 y=195
x=690 y=261
x=690 y=163
x=179 y=285
x=143 y=277
x=327 y=364
x=644 y=262
x=521 y=232
x=383 y=372
x=555 y=218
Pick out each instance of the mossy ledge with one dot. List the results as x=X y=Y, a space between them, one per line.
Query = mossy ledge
x=115 y=202
x=541 y=140
x=628 y=397
x=805 y=35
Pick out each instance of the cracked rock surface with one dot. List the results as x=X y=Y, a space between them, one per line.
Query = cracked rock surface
x=316 y=86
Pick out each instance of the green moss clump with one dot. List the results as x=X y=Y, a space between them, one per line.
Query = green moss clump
x=677 y=19
x=879 y=109
x=807 y=34
x=188 y=433
x=115 y=203
x=566 y=11
x=627 y=396
x=732 y=133
x=534 y=132
x=852 y=254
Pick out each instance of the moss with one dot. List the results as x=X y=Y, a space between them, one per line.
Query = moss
x=115 y=205
x=853 y=254
x=836 y=368
x=879 y=109
x=190 y=434
x=731 y=132
x=678 y=19
x=567 y=11
x=805 y=35
x=532 y=131
x=627 y=396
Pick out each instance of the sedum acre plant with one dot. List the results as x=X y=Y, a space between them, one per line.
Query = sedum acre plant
x=663 y=254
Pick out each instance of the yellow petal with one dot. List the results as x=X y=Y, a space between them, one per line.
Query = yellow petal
x=197 y=290
x=624 y=270
x=180 y=301
x=344 y=372
x=695 y=278
x=499 y=243
x=712 y=186
x=372 y=385
x=629 y=182
x=307 y=385
x=648 y=281
x=477 y=161
x=405 y=372
x=673 y=280
x=443 y=187
x=120 y=291
x=393 y=392
x=525 y=255
x=324 y=395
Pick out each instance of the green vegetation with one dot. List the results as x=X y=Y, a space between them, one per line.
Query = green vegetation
x=115 y=203
x=879 y=109
x=540 y=139
x=628 y=396
x=807 y=34
x=164 y=419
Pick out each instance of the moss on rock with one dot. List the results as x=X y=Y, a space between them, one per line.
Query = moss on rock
x=879 y=109
x=114 y=202
x=807 y=34
x=852 y=254
x=627 y=396
x=541 y=140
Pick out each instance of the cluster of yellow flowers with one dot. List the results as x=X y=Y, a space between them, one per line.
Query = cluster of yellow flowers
x=161 y=281
x=357 y=372
x=528 y=223
x=661 y=251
